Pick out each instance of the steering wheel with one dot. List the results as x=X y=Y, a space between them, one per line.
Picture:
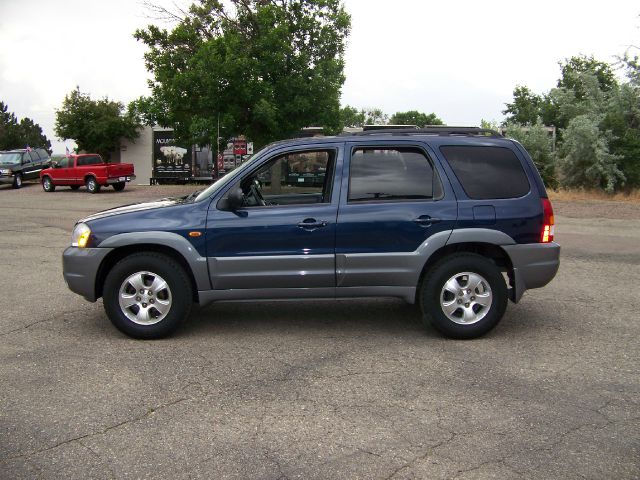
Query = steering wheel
x=254 y=190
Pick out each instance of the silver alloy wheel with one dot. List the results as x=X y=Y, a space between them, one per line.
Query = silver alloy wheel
x=466 y=298
x=145 y=298
x=47 y=183
x=18 y=180
x=91 y=185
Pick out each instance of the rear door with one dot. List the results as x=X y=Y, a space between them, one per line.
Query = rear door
x=28 y=166
x=394 y=199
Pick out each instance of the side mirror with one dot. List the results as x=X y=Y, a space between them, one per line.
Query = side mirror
x=54 y=164
x=235 y=199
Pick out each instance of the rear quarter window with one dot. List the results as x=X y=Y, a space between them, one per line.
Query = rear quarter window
x=487 y=172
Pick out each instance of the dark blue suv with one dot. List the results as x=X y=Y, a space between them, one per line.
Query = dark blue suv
x=456 y=219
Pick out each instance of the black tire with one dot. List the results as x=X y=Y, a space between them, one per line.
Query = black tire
x=47 y=184
x=433 y=292
x=92 y=185
x=75 y=187
x=180 y=294
x=17 y=181
x=118 y=187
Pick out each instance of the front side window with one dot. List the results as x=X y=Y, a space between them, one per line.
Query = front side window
x=64 y=162
x=380 y=174
x=291 y=179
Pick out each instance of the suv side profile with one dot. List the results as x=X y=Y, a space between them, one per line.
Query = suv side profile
x=455 y=219
x=23 y=164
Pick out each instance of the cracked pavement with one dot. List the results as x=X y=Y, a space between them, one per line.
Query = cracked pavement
x=344 y=389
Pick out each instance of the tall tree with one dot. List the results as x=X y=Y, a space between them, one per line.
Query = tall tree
x=14 y=134
x=96 y=125
x=264 y=68
x=413 y=117
x=351 y=117
x=525 y=108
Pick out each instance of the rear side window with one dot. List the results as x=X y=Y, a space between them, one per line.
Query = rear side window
x=89 y=160
x=487 y=172
x=43 y=153
x=389 y=174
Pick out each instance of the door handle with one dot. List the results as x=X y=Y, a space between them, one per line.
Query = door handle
x=426 y=220
x=311 y=224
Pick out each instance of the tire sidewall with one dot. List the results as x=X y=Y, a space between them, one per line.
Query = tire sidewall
x=17 y=182
x=170 y=271
x=441 y=273
x=47 y=184
x=92 y=185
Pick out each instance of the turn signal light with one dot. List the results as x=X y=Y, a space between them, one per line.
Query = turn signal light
x=548 y=222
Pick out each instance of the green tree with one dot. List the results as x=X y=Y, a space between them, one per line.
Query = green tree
x=264 y=68
x=14 y=134
x=413 y=117
x=585 y=158
x=573 y=67
x=96 y=125
x=375 y=116
x=525 y=108
x=351 y=117
x=537 y=141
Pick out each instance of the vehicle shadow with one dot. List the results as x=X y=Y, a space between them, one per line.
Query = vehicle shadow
x=352 y=317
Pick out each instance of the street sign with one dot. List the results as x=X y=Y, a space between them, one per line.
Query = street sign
x=240 y=147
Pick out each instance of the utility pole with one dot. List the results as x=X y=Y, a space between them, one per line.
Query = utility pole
x=215 y=160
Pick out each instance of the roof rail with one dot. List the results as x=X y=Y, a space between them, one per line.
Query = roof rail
x=434 y=130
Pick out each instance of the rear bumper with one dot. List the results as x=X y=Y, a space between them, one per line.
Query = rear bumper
x=534 y=265
x=80 y=268
x=127 y=178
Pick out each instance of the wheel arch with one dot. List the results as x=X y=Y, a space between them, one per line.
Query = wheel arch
x=493 y=252
x=172 y=246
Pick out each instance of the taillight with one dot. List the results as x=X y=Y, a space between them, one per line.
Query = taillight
x=547 y=222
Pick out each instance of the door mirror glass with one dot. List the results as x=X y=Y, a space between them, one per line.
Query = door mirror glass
x=235 y=199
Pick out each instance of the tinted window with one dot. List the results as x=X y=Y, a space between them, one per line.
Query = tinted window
x=387 y=174
x=487 y=172
x=26 y=157
x=64 y=162
x=89 y=160
x=43 y=153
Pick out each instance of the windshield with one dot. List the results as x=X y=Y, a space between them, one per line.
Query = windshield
x=222 y=181
x=10 y=158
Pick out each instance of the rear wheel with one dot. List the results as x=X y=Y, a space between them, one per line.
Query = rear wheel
x=147 y=295
x=47 y=184
x=17 y=181
x=464 y=296
x=92 y=185
x=118 y=187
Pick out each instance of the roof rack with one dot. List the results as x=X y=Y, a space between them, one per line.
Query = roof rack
x=435 y=130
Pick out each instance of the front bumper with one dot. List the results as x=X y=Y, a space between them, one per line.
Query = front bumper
x=80 y=268
x=534 y=265
x=7 y=179
x=113 y=180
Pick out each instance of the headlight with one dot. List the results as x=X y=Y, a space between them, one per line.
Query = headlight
x=6 y=171
x=80 y=235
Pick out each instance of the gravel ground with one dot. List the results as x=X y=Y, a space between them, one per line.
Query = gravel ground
x=345 y=389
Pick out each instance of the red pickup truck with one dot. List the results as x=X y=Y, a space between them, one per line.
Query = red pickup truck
x=89 y=170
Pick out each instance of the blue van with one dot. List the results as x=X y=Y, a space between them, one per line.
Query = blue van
x=455 y=219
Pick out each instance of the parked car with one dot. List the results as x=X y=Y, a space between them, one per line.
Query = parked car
x=88 y=170
x=16 y=166
x=456 y=220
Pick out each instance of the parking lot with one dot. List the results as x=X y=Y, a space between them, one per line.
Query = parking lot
x=344 y=389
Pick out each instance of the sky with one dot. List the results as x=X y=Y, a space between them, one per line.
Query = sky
x=458 y=59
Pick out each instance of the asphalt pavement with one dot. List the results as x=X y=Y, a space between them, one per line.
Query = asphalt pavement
x=322 y=389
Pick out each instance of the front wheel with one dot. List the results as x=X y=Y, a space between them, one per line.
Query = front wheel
x=118 y=187
x=92 y=185
x=147 y=295
x=17 y=181
x=47 y=184
x=464 y=296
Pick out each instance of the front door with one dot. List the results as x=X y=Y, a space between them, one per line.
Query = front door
x=395 y=200
x=283 y=235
